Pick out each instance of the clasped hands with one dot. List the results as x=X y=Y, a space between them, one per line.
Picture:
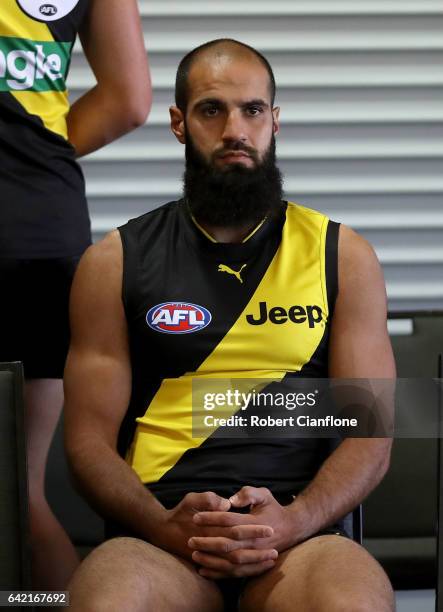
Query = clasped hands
x=230 y=544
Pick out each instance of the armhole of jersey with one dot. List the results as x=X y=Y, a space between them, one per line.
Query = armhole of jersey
x=331 y=264
x=129 y=268
x=68 y=67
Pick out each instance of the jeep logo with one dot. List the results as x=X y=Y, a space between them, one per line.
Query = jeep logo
x=48 y=9
x=278 y=315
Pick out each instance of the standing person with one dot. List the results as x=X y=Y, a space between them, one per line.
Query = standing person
x=44 y=222
x=229 y=282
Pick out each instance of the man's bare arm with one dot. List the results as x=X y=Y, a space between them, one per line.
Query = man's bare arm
x=113 y=43
x=359 y=348
x=97 y=390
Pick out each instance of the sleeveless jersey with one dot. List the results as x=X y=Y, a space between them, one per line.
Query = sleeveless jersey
x=176 y=279
x=43 y=210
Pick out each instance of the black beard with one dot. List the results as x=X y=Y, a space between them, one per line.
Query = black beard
x=235 y=196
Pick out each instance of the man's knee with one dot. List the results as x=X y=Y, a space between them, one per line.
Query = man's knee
x=115 y=574
x=93 y=598
x=130 y=574
x=124 y=546
x=364 y=600
x=338 y=602
x=100 y=602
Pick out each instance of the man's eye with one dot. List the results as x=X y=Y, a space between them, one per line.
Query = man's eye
x=253 y=110
x=210 y=111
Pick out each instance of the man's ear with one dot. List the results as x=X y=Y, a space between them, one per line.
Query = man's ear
x=276 y=119
x=177 y=123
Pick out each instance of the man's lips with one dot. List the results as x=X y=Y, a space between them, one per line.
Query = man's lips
x=235 y=155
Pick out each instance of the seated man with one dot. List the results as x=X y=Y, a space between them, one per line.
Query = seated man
x=230 y=281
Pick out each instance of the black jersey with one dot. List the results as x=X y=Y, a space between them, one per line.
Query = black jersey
x=198 y=309
x=43 y=210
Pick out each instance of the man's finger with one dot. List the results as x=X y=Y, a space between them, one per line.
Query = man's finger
x=230 y=562
x=238 y=532
x=206 y=501
x=238 y=571
x=250 y=556
x=223 y=519
x=221 y=545
x=218 y=545
x=249 y=495
x=244 y=532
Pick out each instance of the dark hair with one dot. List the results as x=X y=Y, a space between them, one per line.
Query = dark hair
x=181 y=80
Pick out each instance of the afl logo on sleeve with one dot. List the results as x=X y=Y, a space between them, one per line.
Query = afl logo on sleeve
x=47 y=11
x=178 y=318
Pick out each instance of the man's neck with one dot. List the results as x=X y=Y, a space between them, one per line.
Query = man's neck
x=224 y=234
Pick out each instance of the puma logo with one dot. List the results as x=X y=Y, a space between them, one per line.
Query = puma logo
x=228 y=270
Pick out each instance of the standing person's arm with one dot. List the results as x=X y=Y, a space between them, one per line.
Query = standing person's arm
x=97 y=393
x=112 y=40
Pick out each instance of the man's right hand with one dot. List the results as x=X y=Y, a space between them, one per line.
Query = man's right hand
x=177 y=528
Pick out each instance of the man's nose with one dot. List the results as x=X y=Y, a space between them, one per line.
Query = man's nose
x=234 y=129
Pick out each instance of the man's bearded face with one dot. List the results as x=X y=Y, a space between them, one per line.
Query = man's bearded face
x=224 y=191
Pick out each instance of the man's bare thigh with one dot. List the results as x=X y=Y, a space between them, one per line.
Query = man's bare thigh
x=326 y=573
x=130 y=574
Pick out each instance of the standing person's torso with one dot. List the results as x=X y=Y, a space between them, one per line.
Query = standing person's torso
x=200 y=310
x=43 y=211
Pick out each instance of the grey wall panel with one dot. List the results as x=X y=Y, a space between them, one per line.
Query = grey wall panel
x=361 y=96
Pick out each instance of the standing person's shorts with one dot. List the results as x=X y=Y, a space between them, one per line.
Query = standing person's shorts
x=34 y=313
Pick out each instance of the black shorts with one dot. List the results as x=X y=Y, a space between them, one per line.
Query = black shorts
x=34 y=313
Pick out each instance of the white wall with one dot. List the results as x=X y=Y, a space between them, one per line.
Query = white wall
x=360 y=86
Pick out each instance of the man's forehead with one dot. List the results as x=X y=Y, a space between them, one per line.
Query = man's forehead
x=217 y=75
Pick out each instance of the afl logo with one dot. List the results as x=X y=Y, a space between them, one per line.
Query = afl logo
x=178 y=318
x=48 y=9
x=47 y=12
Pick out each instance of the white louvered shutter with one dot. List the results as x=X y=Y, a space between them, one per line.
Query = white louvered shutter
x=360 y=85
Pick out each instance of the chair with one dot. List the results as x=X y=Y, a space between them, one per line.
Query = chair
x=439 y=595
x=83 y=525
x=400 y=515
x=14 y=551
x=357 y=525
